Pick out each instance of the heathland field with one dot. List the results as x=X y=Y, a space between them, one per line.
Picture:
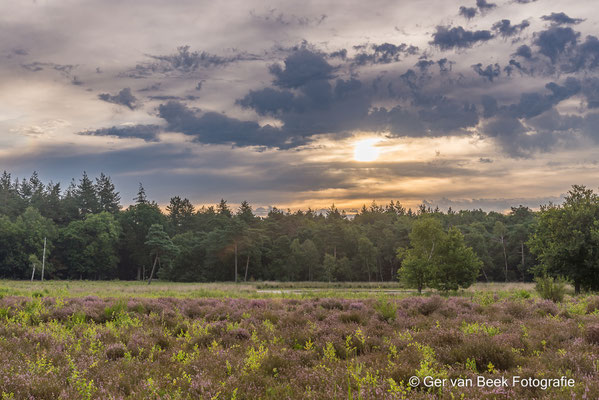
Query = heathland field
x=113 y=340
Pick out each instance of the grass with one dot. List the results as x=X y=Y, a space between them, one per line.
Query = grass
x=299 y=290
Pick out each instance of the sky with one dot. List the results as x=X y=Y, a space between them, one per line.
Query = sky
x=464 y=104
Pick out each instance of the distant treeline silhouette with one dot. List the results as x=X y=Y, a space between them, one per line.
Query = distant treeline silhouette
x=90 y=236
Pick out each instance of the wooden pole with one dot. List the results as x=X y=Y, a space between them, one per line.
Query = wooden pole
x=153 y=267
x=236 y=261
x=44 y=259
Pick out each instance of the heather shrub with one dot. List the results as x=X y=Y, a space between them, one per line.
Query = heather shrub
x=516 y=309
x=551 y=288
x=592 y=304
x=331 y=304
x=484 y=350
x=351 y=317
x=547 y=307
x=111 y=311
x=592 y=333
x=430 y=305
x=273 y=364
x=115 y=351
x=386 y=310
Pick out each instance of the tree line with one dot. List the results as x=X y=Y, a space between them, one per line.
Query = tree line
x=91 y=236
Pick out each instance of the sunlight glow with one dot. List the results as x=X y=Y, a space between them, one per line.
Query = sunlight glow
x=365 y=150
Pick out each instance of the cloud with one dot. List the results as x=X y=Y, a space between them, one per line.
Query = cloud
x=448 y=38
x=561 y=19
x=184 y=61
x=468 y=12
x=216 y=128
x=483 y=5
x=148 y=133
x=490 y=72
x=524 y=51
x=280 y=18
x=124 y=98
x=37 y=66
x=590 y=90
x=302 y=67
x=555 y=41
x=384 y=54
x=506 y=29
x=268 y=101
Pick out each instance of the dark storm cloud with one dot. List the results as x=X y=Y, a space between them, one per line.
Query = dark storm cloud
x=184 y=61
x=489 y=104
x=561 y=19
x=515 y=139
x=514 y=65
x=590 y=90
x=555 y=41
x=468 y=12
x=586 y=56
x=448 y=115
x=533 y=103
x=483 y=5
x=268 y=101
x=490 y=72
x=123 y=98
x=506 y=29
x=37 y=66
x=169 y=97
x=424 y=64
x=216 y=128
x=278 y=17
x=552 y=120
x=384 y=53
x=590 y=124
x=505 y=124
x=301 y=67
x=524 y=51
x=342 y=54
x=149 y=133
x=449 y=38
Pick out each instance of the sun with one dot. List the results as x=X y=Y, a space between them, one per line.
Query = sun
x=365 y=150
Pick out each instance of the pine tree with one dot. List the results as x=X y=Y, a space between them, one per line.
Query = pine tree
x=107 y=196
x=223 y=208
x=87 y=201
x=141 y=197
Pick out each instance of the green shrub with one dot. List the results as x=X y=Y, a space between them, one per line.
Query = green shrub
x=387 y=310
x=551 y=288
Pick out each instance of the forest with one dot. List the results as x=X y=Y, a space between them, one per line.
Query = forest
x=89 y=235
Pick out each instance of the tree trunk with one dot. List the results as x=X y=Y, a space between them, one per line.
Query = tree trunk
x=247 y=264
x=138 y=273
x=235 y=261
x=153 y=268
x=368 y=269
x=522 y=247
x=504 y=257
x=33 y=273
x=577 y=287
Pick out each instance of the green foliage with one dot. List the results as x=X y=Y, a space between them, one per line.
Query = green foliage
x=551 y=288
x=387 y=310
x=437 y=258
x=566 y=239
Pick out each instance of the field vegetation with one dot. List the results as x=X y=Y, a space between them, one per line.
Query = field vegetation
x=62 y=342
